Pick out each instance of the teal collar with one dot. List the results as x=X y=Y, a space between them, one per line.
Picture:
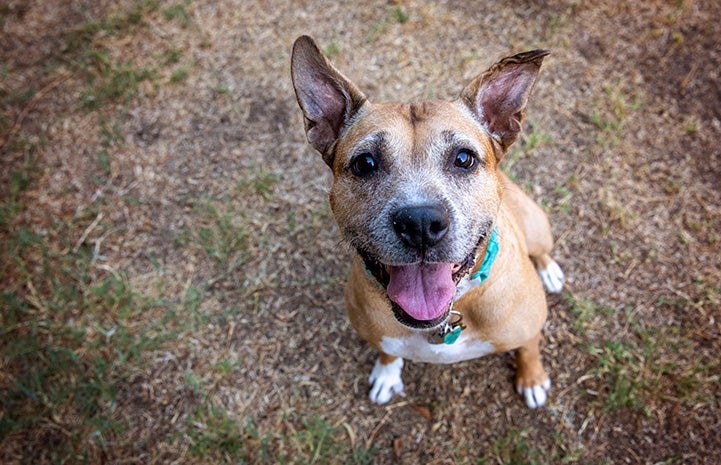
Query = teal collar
x=491 y=253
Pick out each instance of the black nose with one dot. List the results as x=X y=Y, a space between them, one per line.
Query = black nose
x=421 y=227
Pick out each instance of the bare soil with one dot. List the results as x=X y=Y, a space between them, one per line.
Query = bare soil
x=621 y=148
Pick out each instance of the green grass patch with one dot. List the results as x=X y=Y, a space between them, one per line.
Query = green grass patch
x=223 y=231
x=116 y=84
x=69 y=334
x=514 y=449
x=643 y=365
x=179 y=75
x=223 y=236
x=259 y=181
x=400 y=15
x=565 y=194
x=122 y=23
x=109 y=82
x=67 y=339
x=618 y=365
x=588 y=314
x=611 y=113
x=214 y=435
x=529 y=141
x=4 y=12
x=21 y=98
x=393 y=16
x=178 y=13
x=332 y=50
x=172 y=56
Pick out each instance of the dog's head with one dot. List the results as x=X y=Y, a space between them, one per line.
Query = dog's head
x=415 y=188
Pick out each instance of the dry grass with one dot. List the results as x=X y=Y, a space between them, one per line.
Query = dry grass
x=172 y=278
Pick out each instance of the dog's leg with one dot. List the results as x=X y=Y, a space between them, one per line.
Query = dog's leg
x=532 y=382
x=537 y=230
x=385 y=378
x=550 y=272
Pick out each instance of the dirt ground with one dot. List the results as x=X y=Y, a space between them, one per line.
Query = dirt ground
x=160 y=144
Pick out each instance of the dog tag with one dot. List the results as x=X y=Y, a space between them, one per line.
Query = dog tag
x=453 y=336
x=449 y=332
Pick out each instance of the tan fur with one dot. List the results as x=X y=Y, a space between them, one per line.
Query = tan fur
x=508 y=310
x=414 y=146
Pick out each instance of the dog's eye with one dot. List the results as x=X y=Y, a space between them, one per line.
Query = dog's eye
x=465 y=159
x=364 y=164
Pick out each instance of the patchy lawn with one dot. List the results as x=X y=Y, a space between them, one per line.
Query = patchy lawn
x=172 y=277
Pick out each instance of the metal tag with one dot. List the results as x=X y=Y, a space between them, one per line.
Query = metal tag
x=449 y=332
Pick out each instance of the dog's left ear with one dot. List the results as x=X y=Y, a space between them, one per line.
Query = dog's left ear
x=498 y=96
x=328 y=99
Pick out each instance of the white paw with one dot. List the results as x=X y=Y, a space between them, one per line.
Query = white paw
x=535 y=395
x=386 y=381
x=552 y=277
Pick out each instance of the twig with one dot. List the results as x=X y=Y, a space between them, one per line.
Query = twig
x=31 y=104
x=87 y=231
x=377 y=429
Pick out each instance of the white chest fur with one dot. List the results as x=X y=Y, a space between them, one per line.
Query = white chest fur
x=417 y=348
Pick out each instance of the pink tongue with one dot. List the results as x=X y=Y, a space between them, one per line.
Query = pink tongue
x=422 y=291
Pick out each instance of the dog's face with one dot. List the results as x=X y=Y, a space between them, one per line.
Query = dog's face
x=415 y=187
x=430 y=156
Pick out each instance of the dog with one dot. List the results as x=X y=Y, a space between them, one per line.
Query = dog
x=450 y=253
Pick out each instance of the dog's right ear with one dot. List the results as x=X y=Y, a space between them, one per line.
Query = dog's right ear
x=328 y=99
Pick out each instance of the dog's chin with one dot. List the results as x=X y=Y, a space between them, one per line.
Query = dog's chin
x=421 y=325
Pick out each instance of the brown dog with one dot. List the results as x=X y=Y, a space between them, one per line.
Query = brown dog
x=446 y=243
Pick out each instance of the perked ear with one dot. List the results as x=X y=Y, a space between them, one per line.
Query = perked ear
x=328 y=99
x=498 y=96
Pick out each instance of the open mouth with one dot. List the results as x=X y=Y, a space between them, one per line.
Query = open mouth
x=421 y=294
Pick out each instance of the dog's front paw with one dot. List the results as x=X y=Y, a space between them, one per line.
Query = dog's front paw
x=386 y=381
x=552 y=277
x=535 y=395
